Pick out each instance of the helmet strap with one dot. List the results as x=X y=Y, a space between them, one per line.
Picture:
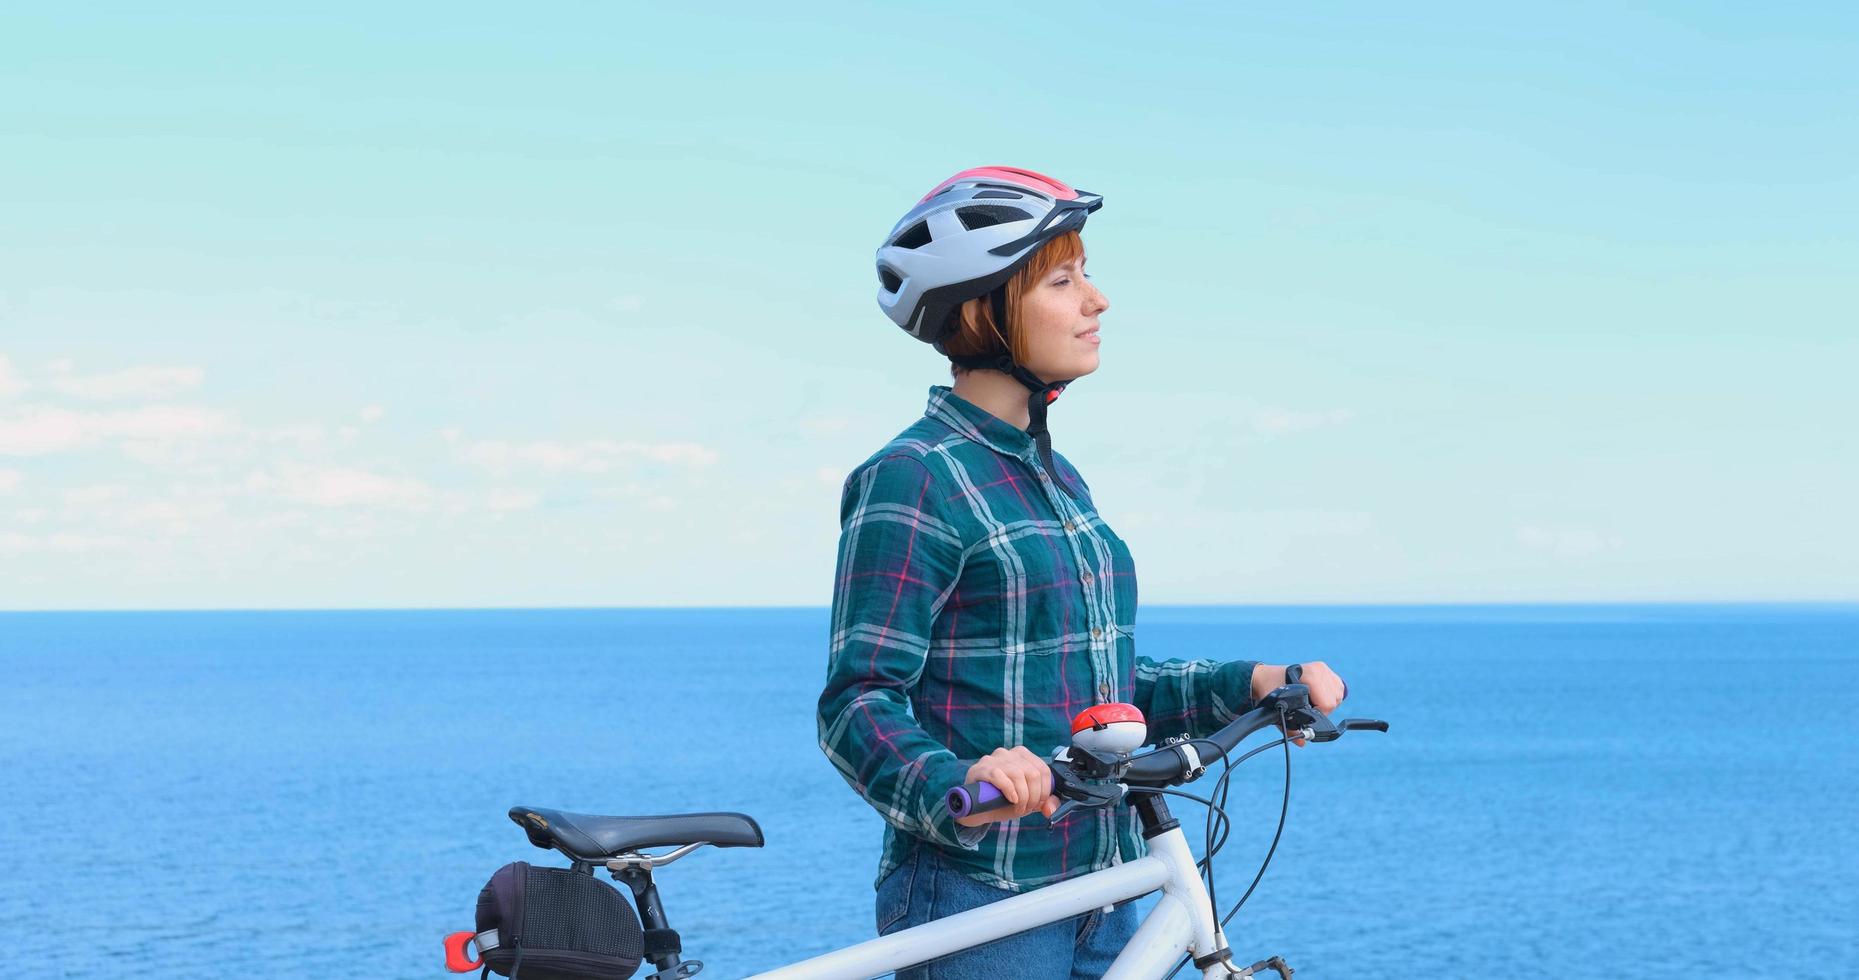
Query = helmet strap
x=1041 y=393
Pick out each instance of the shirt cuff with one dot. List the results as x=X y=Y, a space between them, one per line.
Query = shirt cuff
x=940 y=778
x=1234 y=679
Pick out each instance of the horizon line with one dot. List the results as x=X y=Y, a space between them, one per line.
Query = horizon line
x=1831 y=604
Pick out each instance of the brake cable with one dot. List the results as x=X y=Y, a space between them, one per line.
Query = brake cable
x=1283 y=809
x=1216 y=805
x=1221 y=787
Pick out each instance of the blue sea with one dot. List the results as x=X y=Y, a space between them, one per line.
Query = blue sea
x=1622 y=791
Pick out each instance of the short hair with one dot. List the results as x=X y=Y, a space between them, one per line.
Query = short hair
x=976 y=333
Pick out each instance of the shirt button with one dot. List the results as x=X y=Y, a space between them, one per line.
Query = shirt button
x=1096 y=633
x=1088 y=577
x=1069 y=526
x=1103 y=691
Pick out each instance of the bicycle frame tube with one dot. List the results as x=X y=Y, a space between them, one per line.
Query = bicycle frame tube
x=1182 y=921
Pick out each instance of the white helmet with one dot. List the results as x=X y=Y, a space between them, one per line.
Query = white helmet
x=966 y=238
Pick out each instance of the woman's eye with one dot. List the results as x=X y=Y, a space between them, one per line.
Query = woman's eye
x=1062 y=282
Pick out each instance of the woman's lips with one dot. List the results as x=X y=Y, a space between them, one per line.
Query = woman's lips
x=1089 y=337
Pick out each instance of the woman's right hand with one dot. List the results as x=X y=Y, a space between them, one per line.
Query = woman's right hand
x=1022 y=777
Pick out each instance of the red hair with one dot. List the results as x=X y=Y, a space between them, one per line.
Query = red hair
x=976 y=333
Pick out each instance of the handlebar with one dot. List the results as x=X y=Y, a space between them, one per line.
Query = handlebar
x=976 y=797
x=1078 y=775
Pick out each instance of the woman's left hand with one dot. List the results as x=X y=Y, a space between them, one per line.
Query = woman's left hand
x=1327 y=689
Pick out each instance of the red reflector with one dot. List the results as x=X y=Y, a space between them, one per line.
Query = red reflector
x=456 y=959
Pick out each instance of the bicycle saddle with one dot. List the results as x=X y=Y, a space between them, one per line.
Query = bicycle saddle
x=590 y=837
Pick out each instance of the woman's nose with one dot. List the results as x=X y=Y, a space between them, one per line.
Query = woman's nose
x=1096 y=301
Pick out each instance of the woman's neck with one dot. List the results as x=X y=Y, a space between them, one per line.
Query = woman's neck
x=995 y=393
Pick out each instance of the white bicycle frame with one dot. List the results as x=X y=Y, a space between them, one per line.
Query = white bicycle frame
x=1182 y=923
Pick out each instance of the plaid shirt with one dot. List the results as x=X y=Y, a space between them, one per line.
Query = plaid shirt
x=977 y=606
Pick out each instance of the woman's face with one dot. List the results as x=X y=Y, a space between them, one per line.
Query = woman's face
x=1059 y=314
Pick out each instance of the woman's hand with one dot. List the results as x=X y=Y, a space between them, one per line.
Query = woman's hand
x=1327 y=690
x=1022 y=777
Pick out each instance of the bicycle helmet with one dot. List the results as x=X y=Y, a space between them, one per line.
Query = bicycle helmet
x=964 y=240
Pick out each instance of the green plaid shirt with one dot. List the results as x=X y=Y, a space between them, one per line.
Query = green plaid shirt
x=976 y=606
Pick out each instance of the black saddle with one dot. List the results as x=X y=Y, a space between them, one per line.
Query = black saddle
x=593 y=838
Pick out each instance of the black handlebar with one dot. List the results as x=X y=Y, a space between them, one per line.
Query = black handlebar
x=1077 y=775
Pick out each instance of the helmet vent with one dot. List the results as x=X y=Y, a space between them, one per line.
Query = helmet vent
x=986 y=215
x=889 y=280
x=915 y=236
x=1006 y=195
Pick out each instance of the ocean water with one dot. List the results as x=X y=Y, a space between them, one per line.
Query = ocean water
x=1618 y=791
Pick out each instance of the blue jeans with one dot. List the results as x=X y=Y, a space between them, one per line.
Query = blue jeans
x=923 y=888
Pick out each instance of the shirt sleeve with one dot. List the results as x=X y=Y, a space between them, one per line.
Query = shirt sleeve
x=1192 y=697
x=899 y=560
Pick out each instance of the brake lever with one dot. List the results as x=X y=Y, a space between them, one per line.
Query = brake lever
x=1075 y=793
x=1331 y=731
x=1295 y=697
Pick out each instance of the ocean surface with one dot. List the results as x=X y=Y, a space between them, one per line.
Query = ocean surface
x=1621 y=791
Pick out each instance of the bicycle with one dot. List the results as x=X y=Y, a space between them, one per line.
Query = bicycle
x=1097 y=770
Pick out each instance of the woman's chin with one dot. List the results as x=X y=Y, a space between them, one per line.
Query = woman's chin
x=1077 y=367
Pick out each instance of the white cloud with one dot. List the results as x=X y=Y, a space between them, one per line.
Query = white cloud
x=175 y=508
x=340 y=486
x=508 y=500
x=592 y=456
x=1565 y=542
x=143 y=381
x=159 y=422
x=10 y=383
x=62 y=542
x=302 y=433
x=1278 y=421
x=42 y=430
x=38 y=430
x=92 y=495
x=373 y=413
x=177 y=515
x=830 y=476
x=10 y=480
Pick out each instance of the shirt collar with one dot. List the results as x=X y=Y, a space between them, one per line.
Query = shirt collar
x=977 y=423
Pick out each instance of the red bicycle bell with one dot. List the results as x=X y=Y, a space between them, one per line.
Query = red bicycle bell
x=1114 y=728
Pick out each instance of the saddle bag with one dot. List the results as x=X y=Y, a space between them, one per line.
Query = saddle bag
x=556 y=924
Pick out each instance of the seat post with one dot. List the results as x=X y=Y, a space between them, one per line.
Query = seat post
x=662 y=944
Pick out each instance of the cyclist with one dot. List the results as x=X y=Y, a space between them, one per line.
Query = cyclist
x=980 y=600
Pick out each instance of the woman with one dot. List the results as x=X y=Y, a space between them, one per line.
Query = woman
x=980 y=600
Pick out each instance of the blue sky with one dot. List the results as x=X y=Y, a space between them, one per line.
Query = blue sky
x=452 y=306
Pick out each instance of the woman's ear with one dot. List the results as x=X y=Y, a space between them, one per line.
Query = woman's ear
x=970 y=314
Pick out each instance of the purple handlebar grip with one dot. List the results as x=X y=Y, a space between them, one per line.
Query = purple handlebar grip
x=974 y=798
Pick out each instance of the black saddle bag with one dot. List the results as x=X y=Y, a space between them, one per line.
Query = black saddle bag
x=556 y=924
